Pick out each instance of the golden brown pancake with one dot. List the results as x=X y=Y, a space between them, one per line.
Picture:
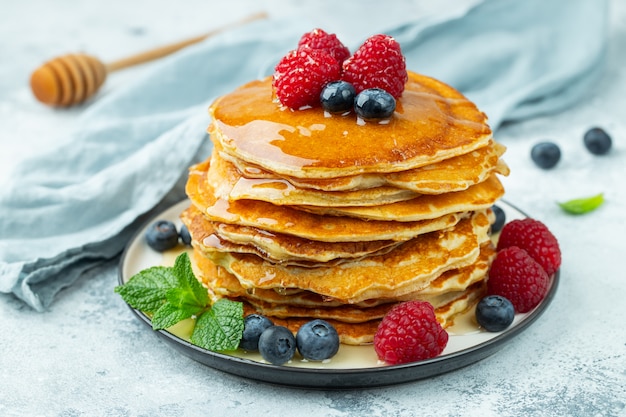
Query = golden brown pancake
x=354 y=333
x=432 y=122
x=480 y=196
x=229 y=184
x=363 y=333
x=225 y=284
x=274 y=247
x=290 y=221
x=453 y=174
x=300 y=214
x=408 y=268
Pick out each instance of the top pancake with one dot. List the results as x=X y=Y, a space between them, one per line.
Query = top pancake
x=432 y=122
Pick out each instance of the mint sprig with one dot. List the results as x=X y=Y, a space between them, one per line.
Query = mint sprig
x=146 y=291
x=220 y=326
x=582 y=205
x=172 y=294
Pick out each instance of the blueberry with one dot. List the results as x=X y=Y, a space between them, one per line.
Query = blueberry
x=374 y=103
x=597 y=141
x=162 y=235
x=253 y=326
x=500 y=219
x=546 y=154
x=338 y=97
x=494 y=313
x=317 y=340
x=277 y=345
x=184 y=235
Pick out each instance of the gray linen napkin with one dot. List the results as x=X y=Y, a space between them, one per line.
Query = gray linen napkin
x=74 y=207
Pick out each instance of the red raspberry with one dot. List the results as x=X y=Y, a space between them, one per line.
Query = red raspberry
x=535 y=238
x=301 y=75
x=318 y=39
x=409 y=332
x=515 y=275
x=378 y=63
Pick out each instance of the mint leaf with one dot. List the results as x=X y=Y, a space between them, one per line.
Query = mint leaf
x=221 y=327
x=173 y=294
x=146 y=290
x=583 y=205
x=168 y=315
x=181 y=297
x=188 y=288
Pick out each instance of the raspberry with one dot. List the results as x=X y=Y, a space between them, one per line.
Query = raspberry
x=535 y=238
x=409 y=332
x=318 y=39
x=378 y=63
x=301 y=75
x=515 y=275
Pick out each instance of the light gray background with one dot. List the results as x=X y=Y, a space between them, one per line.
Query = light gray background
x=89 y=356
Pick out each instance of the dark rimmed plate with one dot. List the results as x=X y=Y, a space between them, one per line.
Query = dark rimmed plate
x=352 y=367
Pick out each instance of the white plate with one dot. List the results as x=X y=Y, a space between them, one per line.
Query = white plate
x=353 y=366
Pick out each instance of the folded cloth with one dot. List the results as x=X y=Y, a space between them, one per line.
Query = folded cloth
x=515 y=60
x=72 y=208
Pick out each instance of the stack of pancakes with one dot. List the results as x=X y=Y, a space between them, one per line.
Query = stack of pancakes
x=301 y=214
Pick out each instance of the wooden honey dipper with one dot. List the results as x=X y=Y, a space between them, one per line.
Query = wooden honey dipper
x=73 y=78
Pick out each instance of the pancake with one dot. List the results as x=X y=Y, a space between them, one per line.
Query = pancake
x=284 y=248
x=408 y=268
x=303 y=214
x=453 y=174
x=349 y=333
x=228 y=182
x=363 y=333
x=353 y=333
x=223 y=283
x=432 y=122
x=480 y=196
x=290 y=221
x=476 y=197
x=346 y=313
x=276 y=248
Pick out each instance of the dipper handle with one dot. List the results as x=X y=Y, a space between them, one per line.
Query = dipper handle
x=73 y=78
